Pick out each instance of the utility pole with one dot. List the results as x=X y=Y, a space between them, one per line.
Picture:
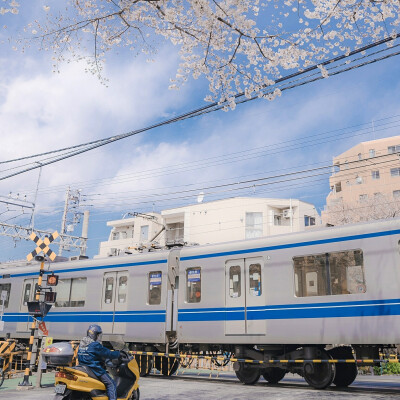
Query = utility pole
x=13 y=204
x=71 y=206
x=85 y=230
x=64 y=217
x=34 y=201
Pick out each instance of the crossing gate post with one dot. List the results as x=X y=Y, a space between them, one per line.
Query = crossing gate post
x=28 y=370
x=42 y=247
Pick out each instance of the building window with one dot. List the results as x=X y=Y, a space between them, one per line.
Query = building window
x=277 y=220
x=394 y=149
x=193 y=286
x=175 y=232
x=394 y=171
x=309 y=221
x=378 y=195
x=375 y=174
x=235 y=281
x=359 y=156
x=115 y=236
x=71 y=292
x=363 y=197
x=144 y=233
x=123 y=235
x=329 y=274
x=371 y=153
x=6 y=288
x=254 y=225
x=396 y=194
x=155 y=280
x=338 y=187
x=359 y=180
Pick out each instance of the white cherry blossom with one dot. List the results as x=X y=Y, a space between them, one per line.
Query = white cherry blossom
x=240 y=46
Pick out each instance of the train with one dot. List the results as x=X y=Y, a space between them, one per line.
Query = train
x=323 y=293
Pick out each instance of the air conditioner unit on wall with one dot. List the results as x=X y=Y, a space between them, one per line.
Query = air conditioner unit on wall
x=287 y=213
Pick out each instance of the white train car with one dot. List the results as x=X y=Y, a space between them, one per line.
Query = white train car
x=311 y=295
x=111 y=292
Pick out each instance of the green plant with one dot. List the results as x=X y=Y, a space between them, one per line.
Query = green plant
x=388 y=368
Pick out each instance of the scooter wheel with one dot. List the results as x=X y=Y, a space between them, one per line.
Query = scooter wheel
x=135 y=395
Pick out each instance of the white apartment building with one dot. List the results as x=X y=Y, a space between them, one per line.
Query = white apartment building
x=237 y=219
x=211 y=222
x=129 y=234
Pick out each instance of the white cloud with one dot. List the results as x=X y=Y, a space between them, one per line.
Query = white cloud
x=44 y=111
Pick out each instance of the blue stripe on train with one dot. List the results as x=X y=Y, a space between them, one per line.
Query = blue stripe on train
x=290 y=311
x=293 y=245
x=321 y=310
x=120 y=316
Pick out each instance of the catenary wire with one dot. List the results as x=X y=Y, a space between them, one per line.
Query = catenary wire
x=208 y=108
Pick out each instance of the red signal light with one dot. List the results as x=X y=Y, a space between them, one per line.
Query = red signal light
x=52 y=280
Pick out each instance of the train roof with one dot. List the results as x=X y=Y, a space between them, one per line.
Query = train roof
x=309 y=235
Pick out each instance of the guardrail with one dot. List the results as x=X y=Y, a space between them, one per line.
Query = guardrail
x=12 y=358
x=269 y=362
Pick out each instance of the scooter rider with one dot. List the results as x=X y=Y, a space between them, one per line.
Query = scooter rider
x=93 y=354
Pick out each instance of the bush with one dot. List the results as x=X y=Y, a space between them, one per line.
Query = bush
x=387 y=369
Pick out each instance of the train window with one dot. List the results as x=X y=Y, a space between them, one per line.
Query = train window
x=71 y=292
x=235 y=281
x=27 y=293
x=63 y=291
x=109 y=290
x=155 y=280
x=347 y=274
x=122 y=289
x=5 y=287
x=329 y=274
x=311 y=275
x=193 y=288
x=78 y=292
x=255 y=279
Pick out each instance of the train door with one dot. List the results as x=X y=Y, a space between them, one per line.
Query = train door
x=114 y=300
x=235 y=298
x=255 y=296
x=121 y=302
x=28 y=294
x=243 y=294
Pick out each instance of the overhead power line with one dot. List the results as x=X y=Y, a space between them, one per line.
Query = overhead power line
x=240 y=98
x=243 y=155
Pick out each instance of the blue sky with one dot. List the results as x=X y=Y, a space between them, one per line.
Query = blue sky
x=41 y=110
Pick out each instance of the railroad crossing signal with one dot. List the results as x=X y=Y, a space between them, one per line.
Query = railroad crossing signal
x=42 y=246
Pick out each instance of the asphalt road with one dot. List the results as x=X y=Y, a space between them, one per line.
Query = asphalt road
x=201 y=387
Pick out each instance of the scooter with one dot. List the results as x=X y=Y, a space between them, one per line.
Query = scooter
x=80 y=383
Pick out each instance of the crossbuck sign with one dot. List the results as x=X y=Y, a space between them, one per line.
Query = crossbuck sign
x=42 y=246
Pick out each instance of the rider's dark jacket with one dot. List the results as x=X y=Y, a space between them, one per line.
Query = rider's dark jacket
x=93 y=354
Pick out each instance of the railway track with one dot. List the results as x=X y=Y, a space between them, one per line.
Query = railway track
x=369 y=385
